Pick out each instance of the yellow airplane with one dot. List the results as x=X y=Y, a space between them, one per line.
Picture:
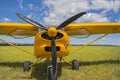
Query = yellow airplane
x=53 y=42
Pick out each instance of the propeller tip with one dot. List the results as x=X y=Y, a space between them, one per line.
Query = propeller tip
x=17 y=14
x=82 y=13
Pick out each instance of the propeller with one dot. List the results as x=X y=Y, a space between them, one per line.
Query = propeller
x=52 y=32
x=31 y=21
x=70 y=20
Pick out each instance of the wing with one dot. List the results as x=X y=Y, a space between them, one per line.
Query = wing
x=17 y=29
x=92 y=28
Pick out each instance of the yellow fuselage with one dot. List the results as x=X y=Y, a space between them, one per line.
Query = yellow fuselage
x=42 y=44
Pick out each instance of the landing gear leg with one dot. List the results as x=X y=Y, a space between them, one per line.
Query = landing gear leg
x=75 y=64
x=28 y=65
x=60 y=59
x=34 y=63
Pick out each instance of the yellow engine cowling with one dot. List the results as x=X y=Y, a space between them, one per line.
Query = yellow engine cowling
x=42 y=44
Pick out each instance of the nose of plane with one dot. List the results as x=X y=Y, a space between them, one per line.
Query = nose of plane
x=52 y=31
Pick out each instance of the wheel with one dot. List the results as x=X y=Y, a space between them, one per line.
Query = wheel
x=50 y=73
x=26 y=66
x=75 y=65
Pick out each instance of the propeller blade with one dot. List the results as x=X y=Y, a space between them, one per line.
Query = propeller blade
x=31 y=21
x=54 y=56
x=71 y=19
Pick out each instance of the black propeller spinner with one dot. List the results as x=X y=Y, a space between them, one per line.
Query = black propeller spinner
x=53 y=45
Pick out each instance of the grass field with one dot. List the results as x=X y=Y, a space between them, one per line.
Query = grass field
x=97 y=63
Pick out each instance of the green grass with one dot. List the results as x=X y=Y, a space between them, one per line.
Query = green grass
x=97 y=63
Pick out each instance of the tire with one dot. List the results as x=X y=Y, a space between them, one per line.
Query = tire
x=75 y=65
x=50 y=73
x=26 y=66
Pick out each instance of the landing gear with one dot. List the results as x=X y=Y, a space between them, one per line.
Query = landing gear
x=52 y=70
x=51 y=76
x=75 y=64
x=26 y=66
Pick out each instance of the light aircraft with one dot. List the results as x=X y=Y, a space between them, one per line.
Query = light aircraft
x=53 y=42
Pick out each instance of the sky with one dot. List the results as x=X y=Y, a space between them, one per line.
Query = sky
x=54 y=12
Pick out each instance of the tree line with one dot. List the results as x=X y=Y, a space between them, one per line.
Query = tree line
x=18 y=44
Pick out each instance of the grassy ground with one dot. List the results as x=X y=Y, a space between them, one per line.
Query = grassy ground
x=97 y=63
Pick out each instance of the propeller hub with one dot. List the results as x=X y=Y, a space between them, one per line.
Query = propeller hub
x=52 y=31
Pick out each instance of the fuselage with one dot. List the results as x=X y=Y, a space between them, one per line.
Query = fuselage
x=42 y=44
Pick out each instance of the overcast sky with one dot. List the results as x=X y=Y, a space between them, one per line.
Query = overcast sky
x=53 y=12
